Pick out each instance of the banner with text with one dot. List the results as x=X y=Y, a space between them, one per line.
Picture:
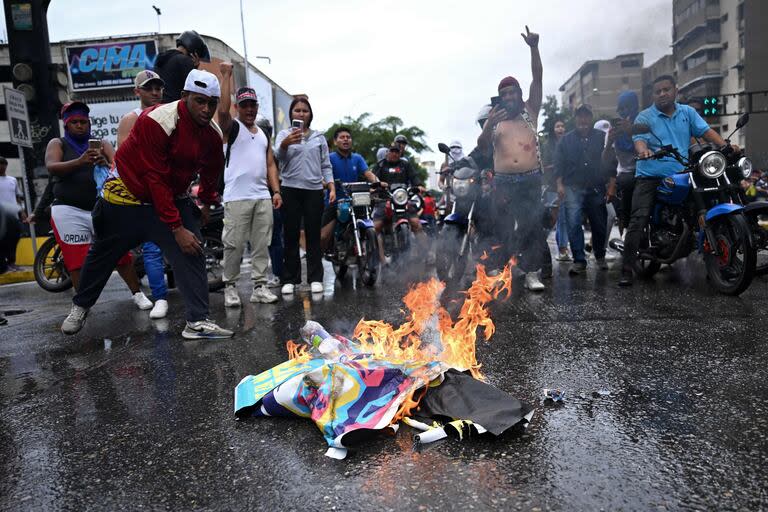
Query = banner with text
x=109 y=66
x=106 y=116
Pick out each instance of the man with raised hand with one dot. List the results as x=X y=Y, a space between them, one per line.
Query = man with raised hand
x=251 y=191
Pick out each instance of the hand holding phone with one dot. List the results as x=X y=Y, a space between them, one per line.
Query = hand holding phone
x=298 y=128
x=94 y=144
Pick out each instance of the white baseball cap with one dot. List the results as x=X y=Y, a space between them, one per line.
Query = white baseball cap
x=202 y=82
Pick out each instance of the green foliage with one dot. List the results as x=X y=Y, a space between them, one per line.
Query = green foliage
x=552 y=112
x=368 y=136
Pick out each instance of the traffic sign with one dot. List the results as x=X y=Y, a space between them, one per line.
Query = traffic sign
x=18 y=118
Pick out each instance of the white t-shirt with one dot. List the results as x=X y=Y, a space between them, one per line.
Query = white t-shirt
x=9 y=191
x=245 y=178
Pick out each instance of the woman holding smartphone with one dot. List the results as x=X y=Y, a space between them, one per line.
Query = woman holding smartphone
x=70 y=161
x=305 y=170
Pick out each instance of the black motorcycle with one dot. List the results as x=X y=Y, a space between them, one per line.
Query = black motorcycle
x=694 y=211
x=402 y=203
x=354 y=237
x=459 y=234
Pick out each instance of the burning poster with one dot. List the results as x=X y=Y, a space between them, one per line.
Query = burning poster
x=379 y=377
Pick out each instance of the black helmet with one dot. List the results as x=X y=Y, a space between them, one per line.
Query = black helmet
x=192 y=41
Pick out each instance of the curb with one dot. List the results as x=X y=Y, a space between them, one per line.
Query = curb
x=17 y=277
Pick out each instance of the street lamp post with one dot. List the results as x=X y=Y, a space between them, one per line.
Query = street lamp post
x=157 y=11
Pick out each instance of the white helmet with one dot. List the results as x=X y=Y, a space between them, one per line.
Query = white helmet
x=482 y=116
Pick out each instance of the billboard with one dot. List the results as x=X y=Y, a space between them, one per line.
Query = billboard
x=106 y=116
x=282 y=104
x=110 y=65
x=263 y=90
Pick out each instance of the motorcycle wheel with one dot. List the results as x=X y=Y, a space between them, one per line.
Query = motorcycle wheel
x=403 y=238
x=340 y=270
x=371 y=258
x=50 y=272
x=646 y=268
x=733 y=270
x=450 y=266
x=213 y=250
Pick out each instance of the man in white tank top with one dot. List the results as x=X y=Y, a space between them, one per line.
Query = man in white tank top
x=251 y=190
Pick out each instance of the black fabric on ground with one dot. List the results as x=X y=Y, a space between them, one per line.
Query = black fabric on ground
x=461 y=396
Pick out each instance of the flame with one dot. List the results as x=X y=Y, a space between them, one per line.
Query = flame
x=297 y=351
x=429 y=333
x=484 y=256
x=496 y=247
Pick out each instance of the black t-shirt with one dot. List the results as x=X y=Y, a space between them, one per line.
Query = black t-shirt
x=78 y=188
x=173 y=67
x=396 y=172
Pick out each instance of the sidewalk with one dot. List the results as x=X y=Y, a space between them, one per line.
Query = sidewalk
x=22 y=276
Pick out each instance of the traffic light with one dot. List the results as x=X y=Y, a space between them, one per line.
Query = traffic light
x=712 y=106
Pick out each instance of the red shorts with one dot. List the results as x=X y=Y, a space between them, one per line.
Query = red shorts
x=73 y=229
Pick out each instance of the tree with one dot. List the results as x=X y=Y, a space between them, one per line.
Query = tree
x=368 y=136
x=552 y=113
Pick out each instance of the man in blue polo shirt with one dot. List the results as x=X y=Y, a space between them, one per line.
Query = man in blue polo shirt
x=670 y=123
x=347 y=168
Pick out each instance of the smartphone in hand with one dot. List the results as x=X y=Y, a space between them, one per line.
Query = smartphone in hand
x=94 y=144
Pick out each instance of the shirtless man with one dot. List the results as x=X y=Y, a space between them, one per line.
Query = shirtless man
x=511 y=134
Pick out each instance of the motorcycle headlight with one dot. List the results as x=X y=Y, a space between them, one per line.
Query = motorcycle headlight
x=745 y=167
x=461 y=187
x=712 y=164
x=400 y=197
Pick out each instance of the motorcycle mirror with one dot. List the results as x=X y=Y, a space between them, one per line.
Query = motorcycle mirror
x=639 y=129
x=743 y=120
x=443 y=148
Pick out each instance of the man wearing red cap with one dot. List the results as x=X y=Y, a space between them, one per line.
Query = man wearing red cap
x=511 y=135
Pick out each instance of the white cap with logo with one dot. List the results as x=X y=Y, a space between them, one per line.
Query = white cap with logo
x=202 y=82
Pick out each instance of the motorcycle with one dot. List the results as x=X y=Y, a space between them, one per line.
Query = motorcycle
x=402 y=202
x=459 y=232
x=213 y=247
x=693 y=211
x=756 y=212
x=354 y=238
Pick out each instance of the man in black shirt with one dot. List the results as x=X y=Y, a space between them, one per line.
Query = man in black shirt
x=173 y=66
x=391 y=171
x=581 y=185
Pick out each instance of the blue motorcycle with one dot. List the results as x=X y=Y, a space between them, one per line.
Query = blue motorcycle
x=694 y=212
x=354 y=237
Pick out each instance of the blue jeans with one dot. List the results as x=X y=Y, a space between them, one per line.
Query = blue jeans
x=154 y=266
x=276 y=246
x=589 y=201
x=561 y=230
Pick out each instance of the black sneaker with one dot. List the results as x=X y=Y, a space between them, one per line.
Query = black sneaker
x=627 y=278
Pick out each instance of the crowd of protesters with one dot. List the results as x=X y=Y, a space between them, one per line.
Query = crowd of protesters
x=279 y=196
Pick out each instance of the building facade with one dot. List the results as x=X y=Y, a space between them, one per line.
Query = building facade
x=599 y=82
x=719 y=48
x=82 y=73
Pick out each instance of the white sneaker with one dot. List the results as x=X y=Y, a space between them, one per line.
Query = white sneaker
x=287 y=289
x=273 y=282
x=75 y=320
x=262 y=294
x=160 y=309
x=206 y=329
x=141 y=301
x=533 y=283
x=316 y=287
x=231 y=298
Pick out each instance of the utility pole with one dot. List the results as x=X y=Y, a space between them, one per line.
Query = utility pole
x=245 y=47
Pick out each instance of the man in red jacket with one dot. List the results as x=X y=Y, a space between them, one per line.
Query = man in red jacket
x=146 y=200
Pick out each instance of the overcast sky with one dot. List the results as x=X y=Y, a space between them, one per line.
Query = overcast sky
x=433 y=63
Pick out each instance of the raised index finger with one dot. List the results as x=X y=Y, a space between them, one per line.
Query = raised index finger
x=527 y=30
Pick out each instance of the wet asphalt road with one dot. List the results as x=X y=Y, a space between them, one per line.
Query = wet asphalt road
x=665 y=407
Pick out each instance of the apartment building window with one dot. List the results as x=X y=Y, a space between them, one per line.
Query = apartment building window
x=633 y=63
x=697 y=60
x=692 y=9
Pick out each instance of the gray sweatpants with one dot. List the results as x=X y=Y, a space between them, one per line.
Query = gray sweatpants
x=244 y=221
